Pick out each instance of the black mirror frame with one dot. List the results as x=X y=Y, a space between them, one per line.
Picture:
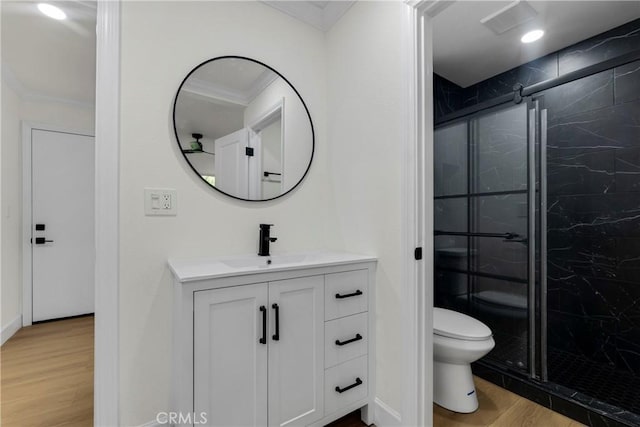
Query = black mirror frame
x=175 y=130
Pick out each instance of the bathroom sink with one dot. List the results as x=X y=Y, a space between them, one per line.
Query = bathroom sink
x=202 y=268
x=265 y=261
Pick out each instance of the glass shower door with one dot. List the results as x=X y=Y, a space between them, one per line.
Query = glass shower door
x=482 y=225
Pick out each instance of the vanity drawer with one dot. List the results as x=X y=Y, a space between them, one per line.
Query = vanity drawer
x=351 y=336
x=345 y=294
x=351 y=380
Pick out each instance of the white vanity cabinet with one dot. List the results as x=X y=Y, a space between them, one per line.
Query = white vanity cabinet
x=275 y=345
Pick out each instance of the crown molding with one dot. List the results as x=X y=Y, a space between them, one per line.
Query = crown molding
x=322 y=18
x=215 y=92
x=223 y=94
x=430 y=7
x=26 y=94
x=260 y=84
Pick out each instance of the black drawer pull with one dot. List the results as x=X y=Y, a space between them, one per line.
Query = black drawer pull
x=358 y=337
x=276 y=336
x=263 y=309
x=42 y=241
x=349 y=387
x=355 y=294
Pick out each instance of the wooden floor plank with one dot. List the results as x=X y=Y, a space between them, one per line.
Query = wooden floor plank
x=501 y=408
x=46 y=375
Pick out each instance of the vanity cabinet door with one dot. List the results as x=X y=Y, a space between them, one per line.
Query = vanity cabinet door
x=296 y=351
x=230 y=361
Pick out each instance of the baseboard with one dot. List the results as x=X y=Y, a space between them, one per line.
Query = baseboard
x=13 y=327
x=386 y=416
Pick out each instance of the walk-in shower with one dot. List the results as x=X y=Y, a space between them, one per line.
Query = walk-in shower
x=537 y=223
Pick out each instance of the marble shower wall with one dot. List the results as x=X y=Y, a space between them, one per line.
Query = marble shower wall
x=593 y=163
x=594 y=219
x=618 y=41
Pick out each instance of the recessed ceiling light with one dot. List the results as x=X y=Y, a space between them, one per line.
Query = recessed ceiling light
x=532 y=36
x=52 y=11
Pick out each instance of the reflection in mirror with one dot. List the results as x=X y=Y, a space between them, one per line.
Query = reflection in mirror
x=243 y=128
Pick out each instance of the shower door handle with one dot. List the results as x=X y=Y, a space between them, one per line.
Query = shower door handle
x=543 y=244
x=531 y=163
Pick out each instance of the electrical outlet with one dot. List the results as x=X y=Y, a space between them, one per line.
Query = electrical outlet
x=160 y=202
x=166 y=201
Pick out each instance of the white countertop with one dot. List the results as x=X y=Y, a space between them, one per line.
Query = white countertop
x=187 y=270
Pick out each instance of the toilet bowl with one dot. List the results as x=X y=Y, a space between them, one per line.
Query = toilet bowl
x=458 y=340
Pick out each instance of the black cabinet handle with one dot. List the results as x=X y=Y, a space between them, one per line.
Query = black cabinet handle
x=349 y=387
x=355 y=294
x=276 y=336
x=42 y=241
x=263 y=309
x=358 y=337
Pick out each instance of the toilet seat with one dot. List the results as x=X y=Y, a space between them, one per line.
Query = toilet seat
x=451 y=324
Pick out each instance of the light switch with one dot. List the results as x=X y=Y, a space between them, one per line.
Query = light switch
x=160 y=201
x=155 y=201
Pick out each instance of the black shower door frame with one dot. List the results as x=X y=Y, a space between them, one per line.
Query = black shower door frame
x=536 y=123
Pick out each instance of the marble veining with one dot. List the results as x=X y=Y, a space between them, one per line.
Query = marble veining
x=606 y=128
x=627 y=82
x=616 y=42
x=448 y=96
x=586 y=94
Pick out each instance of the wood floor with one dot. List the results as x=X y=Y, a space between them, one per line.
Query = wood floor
x=501 y=408
x=47 y=381
x=46 y=376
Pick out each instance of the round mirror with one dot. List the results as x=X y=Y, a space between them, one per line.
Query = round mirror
x=243 y=128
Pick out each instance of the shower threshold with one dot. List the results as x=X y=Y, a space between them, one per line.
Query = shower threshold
x=567 y=401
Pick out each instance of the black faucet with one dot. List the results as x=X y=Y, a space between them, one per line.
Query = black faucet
x=265 y=239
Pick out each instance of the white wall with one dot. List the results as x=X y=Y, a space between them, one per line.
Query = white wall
x=296 y=129
x=161 y=42
x=11 y=223
x=352 y=81
x=365 y=102
x=15 y=110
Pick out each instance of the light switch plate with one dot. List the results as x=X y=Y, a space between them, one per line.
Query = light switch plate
x=160 y=202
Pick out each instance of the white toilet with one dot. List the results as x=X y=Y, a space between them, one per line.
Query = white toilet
x=458 y=340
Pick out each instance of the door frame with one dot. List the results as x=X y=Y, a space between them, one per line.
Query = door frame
x=27 y=255
x=417 y=211
x=106 y=377
x=266 y=118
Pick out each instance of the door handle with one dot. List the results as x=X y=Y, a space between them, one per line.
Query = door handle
x=42 y=241
x=358 y=337
x=276 y=336
x=349 y=387
x=263 y=309
x=355 y=294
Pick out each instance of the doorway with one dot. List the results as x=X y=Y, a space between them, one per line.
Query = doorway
x=534 y=210
x=49 y=91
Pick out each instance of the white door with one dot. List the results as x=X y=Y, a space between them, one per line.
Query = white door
x=230 y=355
x=232 y=164
x=296 y=358
x=62 y=201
